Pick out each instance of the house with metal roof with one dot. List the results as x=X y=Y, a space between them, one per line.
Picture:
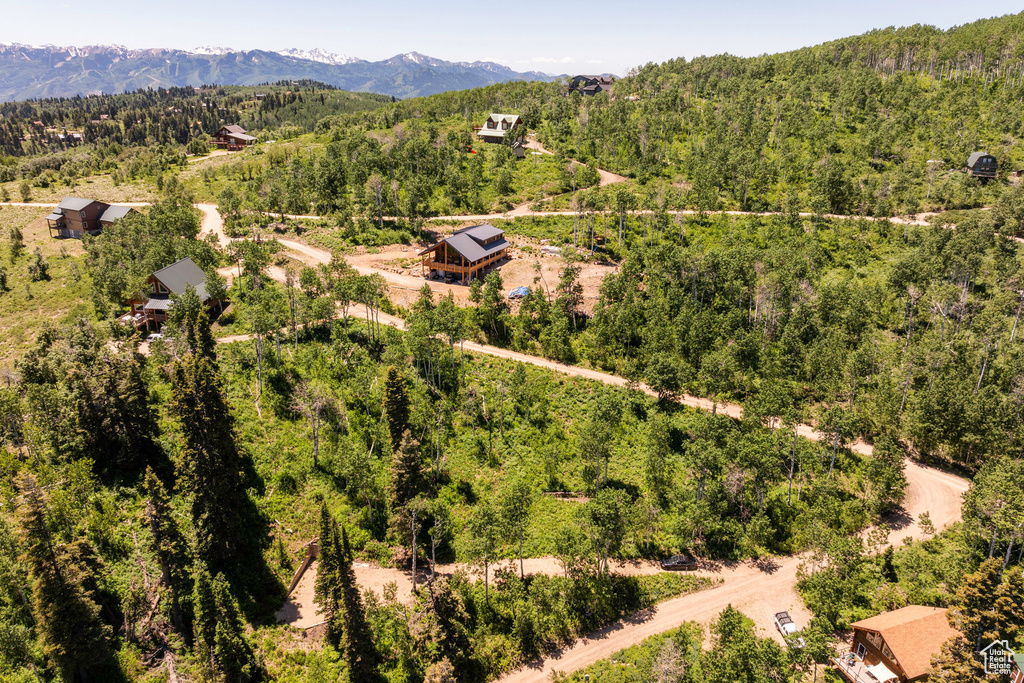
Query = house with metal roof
x=74 y=217
x=175 y=280
x=497 y=126
x=895 y=646
x=232 y=138
x=982 y=165
x=590 y=85
x=467 y=253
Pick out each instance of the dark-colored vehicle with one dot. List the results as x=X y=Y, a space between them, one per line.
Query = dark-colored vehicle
x=679 y=562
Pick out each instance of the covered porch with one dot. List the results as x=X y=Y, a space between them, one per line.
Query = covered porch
x=448 y=261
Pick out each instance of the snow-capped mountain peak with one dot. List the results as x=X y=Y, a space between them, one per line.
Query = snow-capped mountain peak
x=212 y=51
x=318 y=55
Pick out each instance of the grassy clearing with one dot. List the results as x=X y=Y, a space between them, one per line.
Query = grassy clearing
x=99 y=187
x=27 y=305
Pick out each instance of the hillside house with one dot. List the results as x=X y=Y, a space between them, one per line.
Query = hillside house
x=982 y=165
x=175 y=279
x=497 y=126
x=232 y=138
x=74 y=217
x=1018 y=673
x=895 y=646
x=468 y=253
x=590 y=85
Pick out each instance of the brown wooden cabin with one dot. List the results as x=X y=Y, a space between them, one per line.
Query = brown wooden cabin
x=497 y=126
x=232 y=138
x=1018 y=675
x=468 y=253
x=895 y=646
x=175 y=279
x=982 y=165
x=75 y=217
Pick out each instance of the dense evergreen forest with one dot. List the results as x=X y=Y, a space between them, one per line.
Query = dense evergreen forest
x=157 y=497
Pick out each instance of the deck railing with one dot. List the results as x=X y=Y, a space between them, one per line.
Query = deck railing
x=853 y=668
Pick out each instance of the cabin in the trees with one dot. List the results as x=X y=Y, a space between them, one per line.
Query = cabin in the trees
x=498 y=126
x=590 y=85
x=982 y=165
x=175 y=279
x=468 y=253
x=232 y=138
x=75 y=217
x=895 y=646
x=1018 y=673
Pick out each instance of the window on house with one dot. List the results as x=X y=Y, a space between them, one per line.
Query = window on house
x=160 y=288
x=138 y=307
x=861 y=651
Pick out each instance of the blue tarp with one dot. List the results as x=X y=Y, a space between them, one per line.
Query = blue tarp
x=518 y=291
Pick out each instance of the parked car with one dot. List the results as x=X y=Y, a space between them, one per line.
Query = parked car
x=788 y=628
x=679 y=562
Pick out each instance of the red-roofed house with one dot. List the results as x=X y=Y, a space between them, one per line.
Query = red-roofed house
x=895 y=646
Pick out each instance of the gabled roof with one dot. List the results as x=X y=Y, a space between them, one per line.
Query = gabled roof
x=974 y=158
x=181 y=275
x=240 y=136
x=472 y=250
x=913 y=634
x=233 y=128
x=509 y=118
x=481 y=232
x=114 y=213
x=75 y=203
x=465 y=241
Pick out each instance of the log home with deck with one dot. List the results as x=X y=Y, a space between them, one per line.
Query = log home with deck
x=895 y=646
x=468 y=253
x=76 y=217
x=232 y=138
x=175 y=279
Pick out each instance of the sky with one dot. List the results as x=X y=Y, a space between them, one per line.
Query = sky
x=569 y=36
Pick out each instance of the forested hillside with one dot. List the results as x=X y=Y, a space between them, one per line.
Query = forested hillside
x=159 y=492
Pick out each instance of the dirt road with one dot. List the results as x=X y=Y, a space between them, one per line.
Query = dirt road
x=607 y=177
x=757 y=591
x=300 y=610
x=213 y=224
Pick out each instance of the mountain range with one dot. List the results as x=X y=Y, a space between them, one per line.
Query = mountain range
x=28 y=71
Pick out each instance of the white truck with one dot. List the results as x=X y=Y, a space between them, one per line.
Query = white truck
x=787 y=627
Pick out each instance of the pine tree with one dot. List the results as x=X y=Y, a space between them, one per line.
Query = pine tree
x=188 y=316
x=356 y=639
x=169 y=547
x=209 y=464
x=327 y=591
x=337 y=596
x=396 y=405
x=67 y=617
x=971 y=612
x=221 y=646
